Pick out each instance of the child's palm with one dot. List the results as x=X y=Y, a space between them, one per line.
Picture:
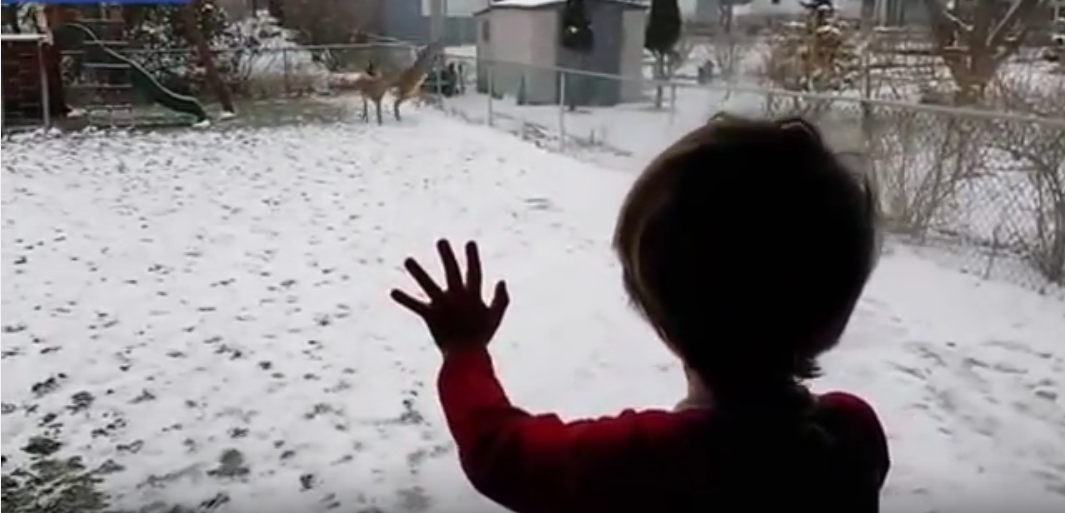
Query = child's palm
x=456 y=317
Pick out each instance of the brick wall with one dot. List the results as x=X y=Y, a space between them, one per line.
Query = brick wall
x=21 y=81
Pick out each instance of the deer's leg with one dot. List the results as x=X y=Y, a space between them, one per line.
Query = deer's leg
x=395 y=106
x=379 y=120
x=365 y=110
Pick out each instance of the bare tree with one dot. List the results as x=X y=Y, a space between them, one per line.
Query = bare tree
x=203 y=50
x=661 y=35
x=681 y=54
x=729 y=50
x=326 y=22
x=974 y=38
x=921 y=161
x=319 y=23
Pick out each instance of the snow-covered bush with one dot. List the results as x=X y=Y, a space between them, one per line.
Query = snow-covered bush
x=159 y=35
x=1037 y=152
x=270 y=62
x=255 y=56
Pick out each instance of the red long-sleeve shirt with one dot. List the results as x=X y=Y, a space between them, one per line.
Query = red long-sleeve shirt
x=657 y=460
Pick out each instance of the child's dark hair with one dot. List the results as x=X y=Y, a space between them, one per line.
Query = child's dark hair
x=746 y=244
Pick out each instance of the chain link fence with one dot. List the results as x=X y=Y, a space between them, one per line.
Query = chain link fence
x=271 y=72
x=275 y=70
x=988 y=185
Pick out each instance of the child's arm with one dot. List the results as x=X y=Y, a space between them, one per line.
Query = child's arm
x=538 y=463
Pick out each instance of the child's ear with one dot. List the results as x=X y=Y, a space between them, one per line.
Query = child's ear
x=723 y=117
x=872 y=197
x=698 y=396
x=799 y=127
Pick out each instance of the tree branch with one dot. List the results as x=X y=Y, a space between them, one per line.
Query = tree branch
x=1020 y=11
x=1009 y=46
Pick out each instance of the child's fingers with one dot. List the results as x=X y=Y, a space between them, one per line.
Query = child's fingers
x=422 y=278
x=451 y=265
x=407 y=301
x=500 y=301
x=473 y=269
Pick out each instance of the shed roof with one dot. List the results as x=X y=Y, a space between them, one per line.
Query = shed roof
x=541 y=4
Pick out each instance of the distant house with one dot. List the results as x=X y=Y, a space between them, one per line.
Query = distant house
x=710 y=11
x=793 y=8
x=902 y=13
x=408 y=20
x=770 y=8
x=707 y=11
x=518 y=41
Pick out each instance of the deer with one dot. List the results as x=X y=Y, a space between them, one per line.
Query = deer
x=372 y=86
x=408 y=84
x=405 y=85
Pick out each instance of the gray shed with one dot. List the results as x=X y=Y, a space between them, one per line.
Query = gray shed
x=518 y=42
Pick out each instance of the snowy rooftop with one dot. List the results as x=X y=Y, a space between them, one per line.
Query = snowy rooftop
x=172 y=297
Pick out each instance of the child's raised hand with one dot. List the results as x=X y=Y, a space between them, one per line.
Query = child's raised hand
x=456 y=317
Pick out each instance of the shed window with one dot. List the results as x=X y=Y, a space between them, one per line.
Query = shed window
x=486 y=32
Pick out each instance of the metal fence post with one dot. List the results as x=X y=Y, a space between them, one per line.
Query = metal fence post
x=46 y=96
x=562 y=109
x=436 y=73
x=491 y=91
x=672 y=103
x=285 y=71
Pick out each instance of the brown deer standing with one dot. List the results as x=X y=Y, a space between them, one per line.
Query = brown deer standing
x=372 y=86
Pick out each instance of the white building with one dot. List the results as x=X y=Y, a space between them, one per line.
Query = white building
x=518 y=41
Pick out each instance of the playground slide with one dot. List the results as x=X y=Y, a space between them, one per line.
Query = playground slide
x=141 y=80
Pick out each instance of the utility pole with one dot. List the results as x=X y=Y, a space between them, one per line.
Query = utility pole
x=437 y=17
x=437 y=12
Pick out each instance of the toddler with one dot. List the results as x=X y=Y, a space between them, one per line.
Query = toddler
x=745 y=245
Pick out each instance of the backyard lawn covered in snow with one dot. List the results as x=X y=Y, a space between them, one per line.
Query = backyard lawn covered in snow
x=207 y=313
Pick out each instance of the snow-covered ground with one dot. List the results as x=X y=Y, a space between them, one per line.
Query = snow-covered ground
x=173 y=300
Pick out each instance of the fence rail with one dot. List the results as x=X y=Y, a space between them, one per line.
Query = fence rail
x=991 y=184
